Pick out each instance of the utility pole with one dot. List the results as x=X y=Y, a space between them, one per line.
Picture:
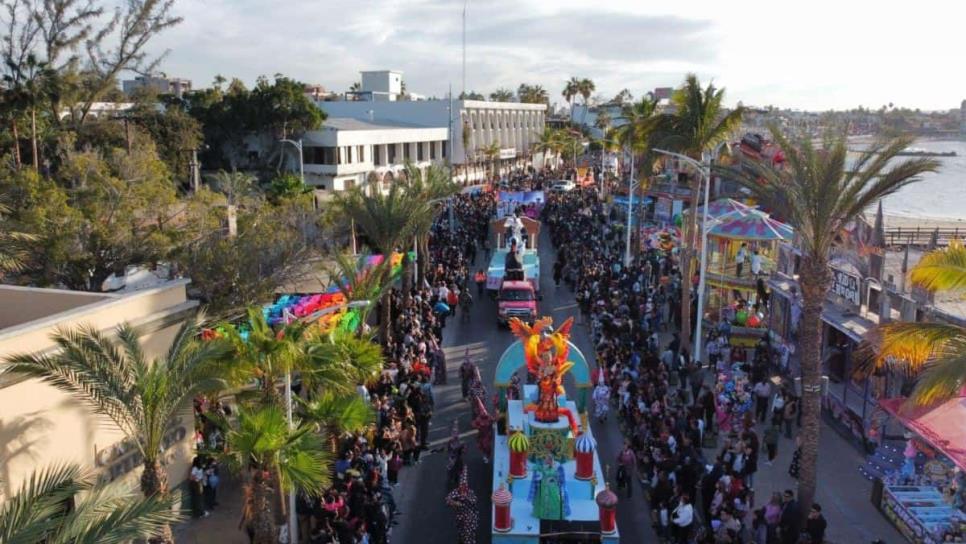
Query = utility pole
x=464 y=47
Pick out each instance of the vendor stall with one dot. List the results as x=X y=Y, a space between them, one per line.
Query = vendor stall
x=924 y=492
x=742 y=245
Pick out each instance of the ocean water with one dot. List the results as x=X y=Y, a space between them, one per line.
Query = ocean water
x=941 y=195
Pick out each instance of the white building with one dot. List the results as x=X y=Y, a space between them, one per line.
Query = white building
x=473 y=125
x=160 y=84
x=348 y=152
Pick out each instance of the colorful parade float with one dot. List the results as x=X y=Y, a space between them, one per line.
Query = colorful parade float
x=548 y=484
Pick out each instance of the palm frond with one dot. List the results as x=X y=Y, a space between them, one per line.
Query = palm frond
x=943 y=269
x=942 y=378
x=909 y=346
x=35 y=509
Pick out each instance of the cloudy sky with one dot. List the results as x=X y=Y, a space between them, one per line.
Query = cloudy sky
x=815 y=54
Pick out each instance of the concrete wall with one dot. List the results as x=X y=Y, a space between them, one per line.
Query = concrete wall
x=19 y=305
x=40 y=426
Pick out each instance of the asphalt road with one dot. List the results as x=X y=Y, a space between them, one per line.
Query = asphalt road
x=420 y=495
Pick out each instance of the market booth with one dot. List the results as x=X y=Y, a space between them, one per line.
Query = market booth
x=924 y=487
x=733 y=296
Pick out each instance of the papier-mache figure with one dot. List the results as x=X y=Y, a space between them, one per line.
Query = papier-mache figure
x=545 y=351
x=548 y=491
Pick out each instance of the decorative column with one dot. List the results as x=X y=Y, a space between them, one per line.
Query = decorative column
x=502 y=522
x=607 y=510
x=584 y=448
x=519 y=448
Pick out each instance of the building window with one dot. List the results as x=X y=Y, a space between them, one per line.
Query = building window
x=339 y=155
x=432 y=150
x=391 y=152
x=329 y=155
x=362 y=153
x=443 y=155
x=407 y=153
x=348 y=155
x=419 y=151
x=377 y=155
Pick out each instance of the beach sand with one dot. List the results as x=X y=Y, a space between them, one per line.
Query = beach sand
x=907 y=222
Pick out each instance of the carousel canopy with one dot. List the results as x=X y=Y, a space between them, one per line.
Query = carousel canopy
x=941 y=426
x=750 y=224
x=724 y=206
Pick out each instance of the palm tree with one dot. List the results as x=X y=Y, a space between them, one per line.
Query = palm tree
x=13 y=252
x=338 y=414
x=273 y=460
x=641 y=126
x=586 y=88
x=571 y=89
x=28 y=83
x=427 y=189
x=263 y=354
x=603 y=120
x=236 y=186
x=820 y=193
x=387 y=219
x=548 y=142
x=502 y=95
x=337 y=361
x=491 y=152
x=699 y=124
x=98 y=512
x=532 y=94
x=936 y=352
x=117 y=380
x=357 y=284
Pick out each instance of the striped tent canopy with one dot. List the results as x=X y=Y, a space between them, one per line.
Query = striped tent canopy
x=724 y=206
x=752 y=225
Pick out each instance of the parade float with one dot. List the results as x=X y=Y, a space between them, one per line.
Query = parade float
x=547 y=478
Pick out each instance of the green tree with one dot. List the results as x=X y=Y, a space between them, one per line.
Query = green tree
x=427 y=189
x=13 y=244
x=532 y=94
x=338 y=361
x=117 y=380
x=571 y=90
x=283 y=108
x=98 y=512
x=934 y=352
x=549 y=142
x=820 y=192
x=501 y=95
x=337 y=415
x=387 y=220
x=285 y=186
x=273 y=460
x=175 y=133
x=698 y=125
x=585 y=88
x=471 y=95
x=623 y=97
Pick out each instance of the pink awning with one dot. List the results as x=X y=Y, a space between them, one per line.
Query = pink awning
x=942 y=426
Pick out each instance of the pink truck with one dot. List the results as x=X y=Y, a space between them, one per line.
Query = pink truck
x=516 y=299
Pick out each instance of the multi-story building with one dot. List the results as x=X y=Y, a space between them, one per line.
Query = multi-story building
x=161 y=84
x=473 y=125
x=348 y=152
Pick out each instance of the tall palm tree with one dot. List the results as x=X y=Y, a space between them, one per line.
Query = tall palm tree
x=549 y=142
x=116 y=379
x=935 y=352
x=586 y=88
x=274 y=460
x=338 y=414
x=28 y=84
x=387 y=220
x=100 y=512
x=427 y=189
x=502 y=95
x=603 y=120
x=491 y=152
x=571 y=90
x=641 y=126
x=236 y=186
x=532 y=94
x=699 y=124
x=356 y=283
x=820 y=193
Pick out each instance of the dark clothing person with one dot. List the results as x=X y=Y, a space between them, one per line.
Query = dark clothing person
x=815 y=527
x=790 y=522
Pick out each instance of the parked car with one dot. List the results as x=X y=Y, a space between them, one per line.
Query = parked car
x=562 y=186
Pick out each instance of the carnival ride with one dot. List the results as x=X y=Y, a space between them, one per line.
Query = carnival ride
x=547 y=478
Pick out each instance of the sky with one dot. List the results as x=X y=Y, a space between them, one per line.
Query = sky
x=813 y=55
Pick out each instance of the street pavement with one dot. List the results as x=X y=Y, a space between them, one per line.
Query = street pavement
x=421 y=492
x=426 y=519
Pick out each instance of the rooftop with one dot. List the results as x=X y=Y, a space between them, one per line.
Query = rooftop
x=348 y=123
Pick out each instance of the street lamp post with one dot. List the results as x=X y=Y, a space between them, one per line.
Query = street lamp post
x=630 y=213
x=298 y=145
x=704 y=168
x=293 y=526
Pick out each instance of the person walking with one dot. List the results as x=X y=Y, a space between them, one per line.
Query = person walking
x=682 y=519
x=790 y=522
x=467 y=371
x=815 y=525
x=770 y=438
x=790 y=414
x=762 y=398
x=196 y=483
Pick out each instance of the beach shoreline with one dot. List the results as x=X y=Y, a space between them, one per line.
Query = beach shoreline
x=922 y=222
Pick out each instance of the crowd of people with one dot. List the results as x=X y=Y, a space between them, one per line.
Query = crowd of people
x=670 y=407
